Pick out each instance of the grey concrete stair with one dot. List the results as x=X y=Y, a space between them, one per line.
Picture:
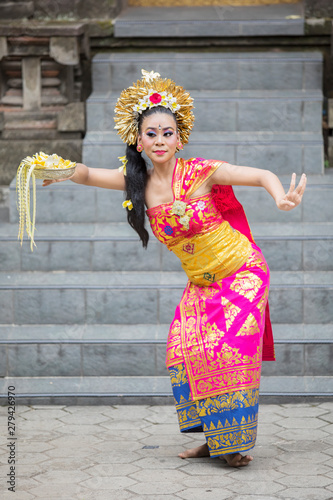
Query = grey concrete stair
x=208 y=70
x=301 y=151
x=115 y=247
x=246 y=113
x=69 y=202
x=144 y=390
x=139 y=350
x=231 y=110
x=85 y=316
x=141 y=297
x=211 y=21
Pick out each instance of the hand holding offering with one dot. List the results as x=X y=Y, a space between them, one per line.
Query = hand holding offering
x=40 y=166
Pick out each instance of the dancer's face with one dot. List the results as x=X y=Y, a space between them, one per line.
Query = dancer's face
x=159 y=137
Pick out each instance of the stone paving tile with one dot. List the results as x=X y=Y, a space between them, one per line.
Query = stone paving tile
x=313 y=458
x=302 y=469
x=153 y=487
x=302 y=412
x=327 y=417
x=204 y=493
x=302 y=423
x=305 y=445
x=112 y=470
x=98 y=483
x=61 y=476
x=84 y=418
x=328 y=439
x=296 y=481
x=306 y=494
x=256 y=487
x=303 y=433
x=254 y=497
x=23 y=495
x=208 y=480
x=130 y=452
x=153 y=497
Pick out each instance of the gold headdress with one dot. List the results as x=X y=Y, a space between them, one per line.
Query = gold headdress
x=151 y=91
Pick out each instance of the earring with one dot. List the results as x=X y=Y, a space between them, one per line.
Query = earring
x=180 y=145
x=139 y=148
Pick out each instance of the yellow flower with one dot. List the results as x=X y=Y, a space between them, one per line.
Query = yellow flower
x=124 y=161
x=128 y=204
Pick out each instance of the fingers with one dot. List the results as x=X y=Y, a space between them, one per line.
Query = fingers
x=292 y=183
x=286 y=204
x=47 y=182
x=301 y=185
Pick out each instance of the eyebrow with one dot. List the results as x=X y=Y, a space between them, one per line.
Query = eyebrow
x=155 y=128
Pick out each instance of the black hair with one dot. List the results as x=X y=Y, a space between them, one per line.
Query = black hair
x=136 y=180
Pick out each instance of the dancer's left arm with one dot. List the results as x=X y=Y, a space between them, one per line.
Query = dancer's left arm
x=234 y=175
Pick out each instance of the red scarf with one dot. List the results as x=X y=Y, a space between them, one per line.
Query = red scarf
x=233 y=212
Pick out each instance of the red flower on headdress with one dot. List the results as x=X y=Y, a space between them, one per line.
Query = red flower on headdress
x=155 y=98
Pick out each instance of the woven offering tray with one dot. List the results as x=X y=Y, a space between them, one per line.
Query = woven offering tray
x=40 y=166
x=54 y=173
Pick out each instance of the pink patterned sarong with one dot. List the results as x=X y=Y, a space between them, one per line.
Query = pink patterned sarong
x=217 y=331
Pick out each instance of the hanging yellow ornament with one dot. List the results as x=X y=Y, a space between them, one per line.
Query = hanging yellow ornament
x=40 y=166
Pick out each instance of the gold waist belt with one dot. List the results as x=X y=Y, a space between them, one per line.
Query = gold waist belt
x=211 y=256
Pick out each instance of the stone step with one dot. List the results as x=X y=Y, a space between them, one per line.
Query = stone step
x=69 y=202
x=46 y=82
x=142 y=390
x=232 y=110
x=210 y=21
x=139 y=297
x=281 y=151
x=116 y=247
x=212 y=70
x=139 y=350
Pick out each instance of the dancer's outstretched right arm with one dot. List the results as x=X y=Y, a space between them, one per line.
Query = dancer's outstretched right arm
x=99 y=177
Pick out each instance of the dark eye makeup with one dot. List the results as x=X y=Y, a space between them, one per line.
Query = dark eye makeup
x=167 y=133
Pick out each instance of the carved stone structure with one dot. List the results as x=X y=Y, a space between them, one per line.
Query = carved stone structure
x=41 y=91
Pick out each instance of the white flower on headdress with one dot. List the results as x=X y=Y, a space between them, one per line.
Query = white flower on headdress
x=149 y=76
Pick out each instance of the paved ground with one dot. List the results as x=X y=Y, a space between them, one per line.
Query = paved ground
x=130 y=452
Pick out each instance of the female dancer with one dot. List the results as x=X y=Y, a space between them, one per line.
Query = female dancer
x=221 y=328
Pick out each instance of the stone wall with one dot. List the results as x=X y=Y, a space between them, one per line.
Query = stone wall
x=107 y=9
x=318 y=8
x=58 y=9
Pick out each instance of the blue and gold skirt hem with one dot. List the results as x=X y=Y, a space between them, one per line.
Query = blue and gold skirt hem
x=229 y=421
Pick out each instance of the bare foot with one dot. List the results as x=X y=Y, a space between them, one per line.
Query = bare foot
x=236 y=459
x=200 y=451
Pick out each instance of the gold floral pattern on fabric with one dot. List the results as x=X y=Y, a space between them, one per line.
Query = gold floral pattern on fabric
x=262 y=302
x=227 y=420
x=250 y=327
x=215 y=363
x=256 y=260
x=174 y=351
x=230 y=311
x=187 y=413
x=189 y=248
x=247 y=284
x=203 y=334
x=231 y=436
x=230 y=401
x=212 y=336
x=177 y=377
